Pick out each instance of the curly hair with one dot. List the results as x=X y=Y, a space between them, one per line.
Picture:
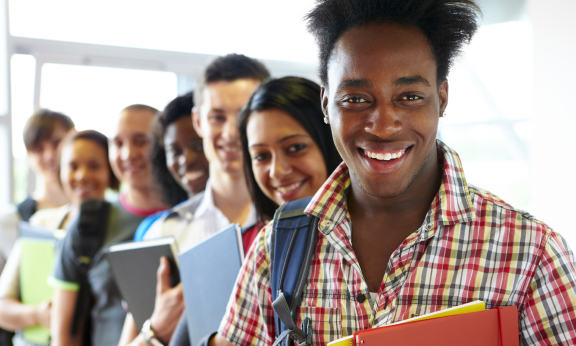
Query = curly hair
x=170 y=191
x=447 y=24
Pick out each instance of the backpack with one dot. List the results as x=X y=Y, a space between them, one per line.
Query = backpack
x=87 y=232
x=293 y=245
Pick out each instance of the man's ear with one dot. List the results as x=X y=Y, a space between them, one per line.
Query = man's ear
x=443 y=95
x=324 y=100
x=196 y=122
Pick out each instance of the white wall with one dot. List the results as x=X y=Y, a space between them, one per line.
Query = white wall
x=554 y=142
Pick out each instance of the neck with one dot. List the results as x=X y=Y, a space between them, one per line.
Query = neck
x=231 y=195
x=50 y=194
x=144 y=199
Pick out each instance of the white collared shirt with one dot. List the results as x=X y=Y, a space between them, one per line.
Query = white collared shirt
x=194 y=221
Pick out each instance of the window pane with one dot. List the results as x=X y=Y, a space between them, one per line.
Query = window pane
x=22 y=70
x=259 y=28
x=93 y=96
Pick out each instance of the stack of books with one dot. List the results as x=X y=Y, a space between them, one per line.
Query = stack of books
x=469 y=324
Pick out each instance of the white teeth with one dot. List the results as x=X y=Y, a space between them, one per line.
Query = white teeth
x=387 y=156
x=193 y=175
x=289 y=188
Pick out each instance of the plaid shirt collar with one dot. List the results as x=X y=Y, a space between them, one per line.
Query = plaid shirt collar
x=451 y=205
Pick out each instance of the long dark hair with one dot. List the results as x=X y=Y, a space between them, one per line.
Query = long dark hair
x=300 y=98
x=170 y=191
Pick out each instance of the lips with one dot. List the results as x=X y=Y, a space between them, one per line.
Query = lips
x=192 y=176
x=287 y=191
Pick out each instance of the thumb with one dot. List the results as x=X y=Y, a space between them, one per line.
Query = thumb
x=163 y=276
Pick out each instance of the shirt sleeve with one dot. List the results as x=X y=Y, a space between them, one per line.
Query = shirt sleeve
x=250 y=316
x=10 y=278
x=66 y=275
x=549 y=316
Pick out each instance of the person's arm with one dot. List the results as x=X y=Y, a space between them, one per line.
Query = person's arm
x=168 y=309
x=16 y=316
x=549 y=314
x=13 y=314
x=64 y=304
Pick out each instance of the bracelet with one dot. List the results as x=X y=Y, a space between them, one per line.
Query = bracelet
x=148 y=334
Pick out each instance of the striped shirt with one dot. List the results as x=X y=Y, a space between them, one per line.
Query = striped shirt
x=471 y=246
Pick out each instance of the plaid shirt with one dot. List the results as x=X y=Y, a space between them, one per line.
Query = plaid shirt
x=471 y=246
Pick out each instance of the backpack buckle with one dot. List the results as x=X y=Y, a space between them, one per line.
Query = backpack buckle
x=307 y=328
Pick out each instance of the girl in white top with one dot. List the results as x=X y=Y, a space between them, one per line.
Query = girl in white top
x=85 y=173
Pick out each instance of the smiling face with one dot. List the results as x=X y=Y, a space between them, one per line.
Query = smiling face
x=287 y=163
x=184 y=156
x=130 y=147
x=383 y=102
x=217 y=123
x=84 y=171
x=42 y=157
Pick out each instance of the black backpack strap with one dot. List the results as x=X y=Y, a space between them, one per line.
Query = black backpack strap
x=293 y=244
x=88 y=232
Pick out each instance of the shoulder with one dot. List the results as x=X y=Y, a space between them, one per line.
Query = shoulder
x=27 y=208
x=9 y=218
x=49 y=218
x=494 y=211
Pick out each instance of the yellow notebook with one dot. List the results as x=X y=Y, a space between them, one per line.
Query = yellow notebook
x=36 y=262
x=474 y=306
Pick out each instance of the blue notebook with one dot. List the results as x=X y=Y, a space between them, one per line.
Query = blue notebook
x=208 y=272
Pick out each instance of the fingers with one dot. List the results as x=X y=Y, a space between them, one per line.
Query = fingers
x=163 y=276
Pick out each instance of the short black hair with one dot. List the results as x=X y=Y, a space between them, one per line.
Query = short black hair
x=230 y=68
x=447 y=24
x=40 y=126
x=170 y=191
x=300 y=98
x=95 y=137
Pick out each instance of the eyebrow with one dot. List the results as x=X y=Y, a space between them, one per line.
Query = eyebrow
x=411 y=80
x=280 y=141
x=355 y=83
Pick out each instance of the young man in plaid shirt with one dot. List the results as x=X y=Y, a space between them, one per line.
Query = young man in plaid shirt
x=401 y=233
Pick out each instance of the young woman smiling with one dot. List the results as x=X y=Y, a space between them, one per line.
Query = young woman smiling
x=85 y=173
x=288 y=151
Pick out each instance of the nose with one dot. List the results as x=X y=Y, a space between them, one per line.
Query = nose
x=49 y=154
x=187 y=158
x=280 y=167
x=81 y=173
x=128 y=151
x=384 y=122
x=230 y=130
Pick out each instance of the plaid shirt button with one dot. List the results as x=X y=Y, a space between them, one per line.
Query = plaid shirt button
x=361 y=298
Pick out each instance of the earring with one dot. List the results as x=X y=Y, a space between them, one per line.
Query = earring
x=326 y=120
x=442 y=114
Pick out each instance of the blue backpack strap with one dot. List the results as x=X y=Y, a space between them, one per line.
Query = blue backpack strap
x=293 y=242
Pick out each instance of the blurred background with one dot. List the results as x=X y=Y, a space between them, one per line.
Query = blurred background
x=511 y=109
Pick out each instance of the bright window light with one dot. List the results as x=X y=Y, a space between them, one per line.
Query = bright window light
x=93 y=96
x=490 y=110
x=262 y=29
x=22 y=69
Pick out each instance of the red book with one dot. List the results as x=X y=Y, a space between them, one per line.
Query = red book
x=495 y=327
